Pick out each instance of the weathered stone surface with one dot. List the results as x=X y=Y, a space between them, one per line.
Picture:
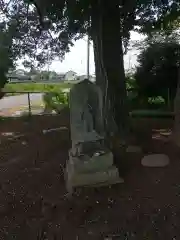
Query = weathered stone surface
x=155 y=160
x=107 y=177
x=86 y=113
x=90 y=162
x=134 y=149
x=93 y=164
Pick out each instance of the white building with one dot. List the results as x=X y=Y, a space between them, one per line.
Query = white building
x=70 y=76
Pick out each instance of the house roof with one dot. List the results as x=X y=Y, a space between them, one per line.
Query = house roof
x=70 y=71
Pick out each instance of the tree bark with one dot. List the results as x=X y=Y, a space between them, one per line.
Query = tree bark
x=96 y=35
x=109 y=64
x=2 y=94
x=100 y=74
x=176 y=130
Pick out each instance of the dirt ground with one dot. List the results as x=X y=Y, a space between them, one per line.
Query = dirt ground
x=33 y=203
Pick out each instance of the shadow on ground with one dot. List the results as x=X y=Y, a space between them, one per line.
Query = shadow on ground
x=33 y=203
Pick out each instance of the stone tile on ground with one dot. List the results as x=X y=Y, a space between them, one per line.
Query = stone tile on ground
x=155 y=160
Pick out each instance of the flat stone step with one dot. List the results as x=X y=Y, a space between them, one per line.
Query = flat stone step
x=155 y=160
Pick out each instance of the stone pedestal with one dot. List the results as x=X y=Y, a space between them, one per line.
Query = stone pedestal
x=95 y=171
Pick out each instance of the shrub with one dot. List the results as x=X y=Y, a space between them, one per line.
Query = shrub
x=55 y=100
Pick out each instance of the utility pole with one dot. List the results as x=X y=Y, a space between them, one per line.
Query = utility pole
x=88 y=56
x=129 y=63
x=48 y=63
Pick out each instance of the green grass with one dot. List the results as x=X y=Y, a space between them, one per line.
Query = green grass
x=36 y=87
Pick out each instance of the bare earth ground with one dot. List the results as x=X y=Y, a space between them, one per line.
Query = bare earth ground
x=33 y=203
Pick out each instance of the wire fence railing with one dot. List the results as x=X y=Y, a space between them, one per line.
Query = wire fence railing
x=32 y=102
x=16 y=103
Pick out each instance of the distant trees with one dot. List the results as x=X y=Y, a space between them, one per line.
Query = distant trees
x=6 y=55
x=37 y=75
x=53 y=25
x=157 y=73
x=44 y=76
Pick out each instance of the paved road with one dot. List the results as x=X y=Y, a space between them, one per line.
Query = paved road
x=19 y=100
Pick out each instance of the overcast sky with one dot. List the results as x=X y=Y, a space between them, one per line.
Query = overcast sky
x=76 y=60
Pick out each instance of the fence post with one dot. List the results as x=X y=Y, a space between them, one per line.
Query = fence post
x=29 y=104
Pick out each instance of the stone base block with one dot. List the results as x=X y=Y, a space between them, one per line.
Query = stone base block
x=94 y=179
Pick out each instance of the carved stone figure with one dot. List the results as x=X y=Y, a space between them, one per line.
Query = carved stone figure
x=90 y=161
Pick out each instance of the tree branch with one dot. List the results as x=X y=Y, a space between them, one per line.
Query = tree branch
x=6 y=5
x=27 y=12
x=38 y=12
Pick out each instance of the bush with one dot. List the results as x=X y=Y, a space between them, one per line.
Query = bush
x=55 y=100
x=142 y=102
x=130 y=81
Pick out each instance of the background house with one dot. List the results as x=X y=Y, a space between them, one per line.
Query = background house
x=18 y=75
x=70 y=76
x=34 y=75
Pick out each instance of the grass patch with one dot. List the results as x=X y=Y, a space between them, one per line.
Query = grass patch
x=36 y=87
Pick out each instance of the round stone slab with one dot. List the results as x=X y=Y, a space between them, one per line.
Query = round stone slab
x=155 y=160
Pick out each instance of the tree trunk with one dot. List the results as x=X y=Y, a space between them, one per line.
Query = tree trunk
x=109 y=64
x=2 y=94
x=3 y=81
x=101 y=77
x=176 y=130
x=100 y=74
x=96 y=34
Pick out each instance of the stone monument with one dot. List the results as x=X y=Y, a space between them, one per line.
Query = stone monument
x=90 y=161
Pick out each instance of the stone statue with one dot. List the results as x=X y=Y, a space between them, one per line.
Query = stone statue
x=86 y=114
x=90 y=161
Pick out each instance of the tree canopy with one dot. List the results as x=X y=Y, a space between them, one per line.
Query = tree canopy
x=6 y=53
x=157 y=72
x=39 y=25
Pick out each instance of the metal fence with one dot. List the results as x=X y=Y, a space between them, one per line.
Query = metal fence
x=32 y=103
